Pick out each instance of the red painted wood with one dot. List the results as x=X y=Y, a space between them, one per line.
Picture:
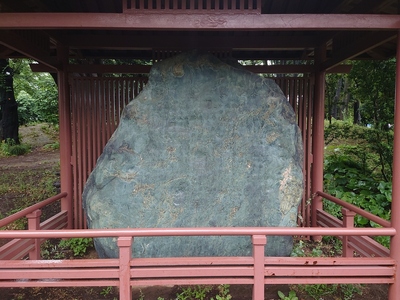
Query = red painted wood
x=96 y=106
x=16 y=249
x=259 y=242
x=125 y=253
x=19 y=248
x=74 y=154
x=348 y=221
x=188 y=261
x=190 y=270
x=65 y=132
x=34 y=224
x=368 y=247
x=7 y=220
x=394 y=290
x=65 y=273
x=180 y=271
x=58 y=221
x=220 y=21
x=356 y=209
x=198 y=231
x=363 y=245
x=59 y=264
x=318 y=142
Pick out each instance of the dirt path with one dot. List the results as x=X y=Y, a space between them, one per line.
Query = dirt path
x=41 y=138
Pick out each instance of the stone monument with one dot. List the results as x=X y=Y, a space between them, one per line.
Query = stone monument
x=205 y=144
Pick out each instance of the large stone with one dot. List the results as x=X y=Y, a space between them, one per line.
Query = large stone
x=205 y=144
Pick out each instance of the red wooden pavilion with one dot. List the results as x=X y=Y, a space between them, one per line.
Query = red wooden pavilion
x=76 y=39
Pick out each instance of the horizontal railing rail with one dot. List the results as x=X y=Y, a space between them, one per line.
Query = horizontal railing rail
x=126 y=271
x=19 y=248
x=355 y=209
x=257 y=270
x=362 y=245
x=22 y=213
x=197 y=231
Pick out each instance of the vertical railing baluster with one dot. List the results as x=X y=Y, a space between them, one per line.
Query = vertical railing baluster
x=125 y=253
x=34 y=224
x=348 y=222
x=259 y=242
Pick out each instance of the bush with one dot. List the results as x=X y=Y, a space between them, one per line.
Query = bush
x=79 y=246
x=352 y=181
x=9 y=148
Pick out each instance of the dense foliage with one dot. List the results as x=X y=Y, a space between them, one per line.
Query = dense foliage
x=36 y=94
x=358 y=160
x=356 y=170
x=365 y=95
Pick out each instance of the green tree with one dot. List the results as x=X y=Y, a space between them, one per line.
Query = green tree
x=338 y=98
x=36 y=94
x=373 y=84
x=371 y=87
x=374 y=87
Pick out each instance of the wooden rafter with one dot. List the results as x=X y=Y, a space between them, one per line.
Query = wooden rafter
x=16 y=42
x=361 y=45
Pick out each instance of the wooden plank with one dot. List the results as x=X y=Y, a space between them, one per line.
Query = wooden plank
x=221 y=21
x=16 y=249
x=329 y=280
x=189 y=261
x=58 y=221
x=73 y=263
x=268 y=281
x=368 y=246
x=329 y=271
x=192 y=271
x=330 y=261
x=59 y=283
x=82 y=273
x=191 y=281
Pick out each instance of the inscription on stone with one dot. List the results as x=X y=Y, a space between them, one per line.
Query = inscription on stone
x=204 y=145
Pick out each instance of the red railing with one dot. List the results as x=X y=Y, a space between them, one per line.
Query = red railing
x=257 y=270
x=363 y=245
x=19 y=248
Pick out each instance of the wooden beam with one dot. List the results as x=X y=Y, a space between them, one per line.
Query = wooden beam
x=184 y=41
x=115 y=21
x=123 y=69
x=294 y=69
x=145 y=69
x=357 y=47
x=14 y=41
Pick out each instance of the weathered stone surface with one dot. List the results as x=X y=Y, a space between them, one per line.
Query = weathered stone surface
x=204 y=145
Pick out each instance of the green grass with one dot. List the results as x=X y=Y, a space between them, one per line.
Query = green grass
x=22 y=188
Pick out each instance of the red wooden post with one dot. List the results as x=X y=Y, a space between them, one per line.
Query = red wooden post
x=348 y=222
x=125 y=253
x=34 y=224
x=318 y=142
x=65 y=132
x=394 y=289
x=259 y=242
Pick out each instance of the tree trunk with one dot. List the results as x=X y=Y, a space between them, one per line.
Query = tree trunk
x=9 y=107
x=335 y=103
x=356 y=112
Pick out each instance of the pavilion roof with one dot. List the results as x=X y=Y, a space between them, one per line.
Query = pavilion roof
x=285 y=30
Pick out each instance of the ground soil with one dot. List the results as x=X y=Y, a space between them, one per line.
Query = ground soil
x=42 y=157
